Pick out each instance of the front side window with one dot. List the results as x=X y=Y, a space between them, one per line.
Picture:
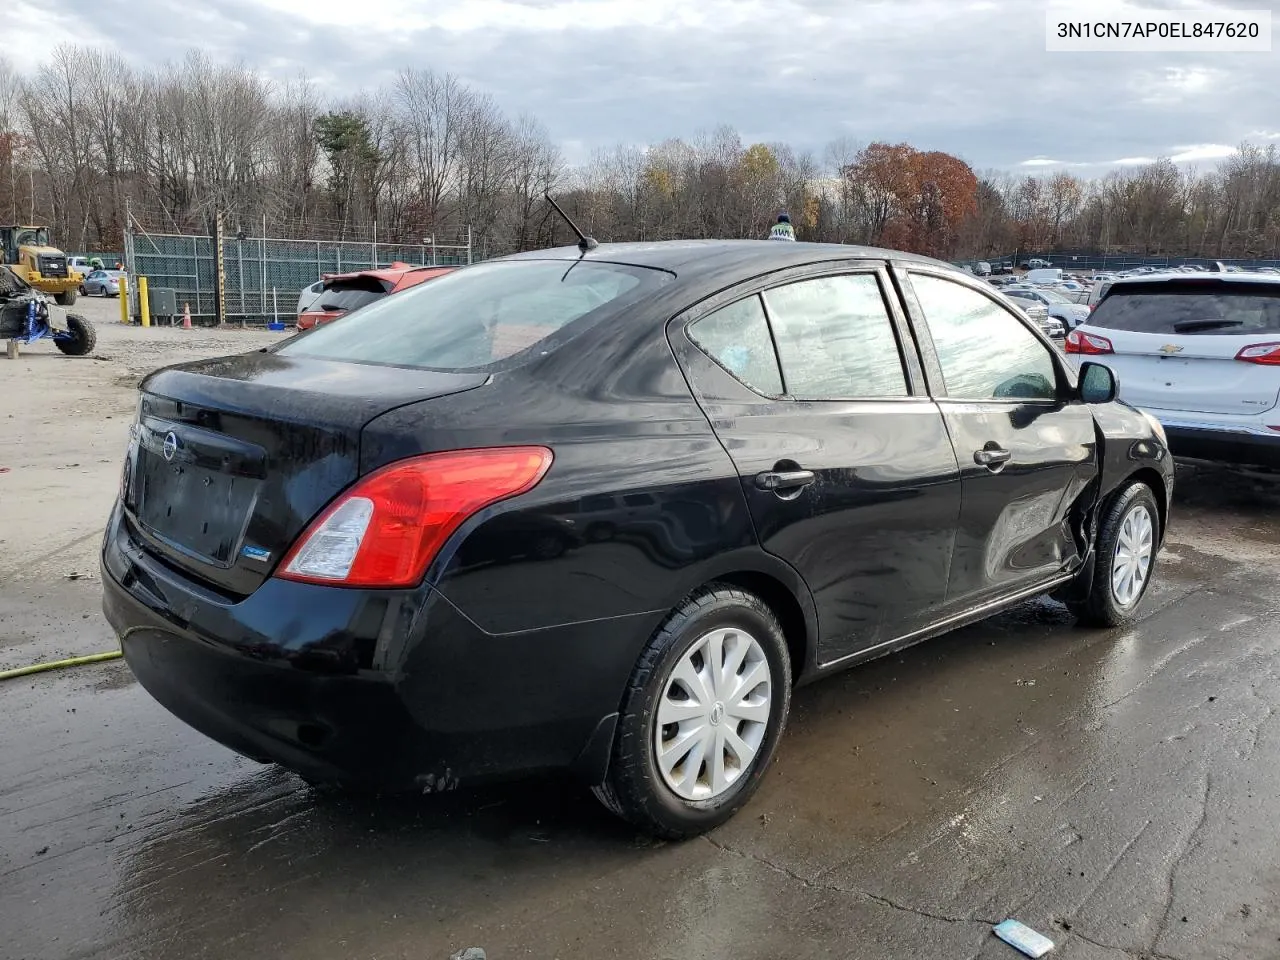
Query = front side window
x=986 y=353
x=835 y=339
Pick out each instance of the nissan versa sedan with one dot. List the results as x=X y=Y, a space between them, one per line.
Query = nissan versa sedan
x=600 y=510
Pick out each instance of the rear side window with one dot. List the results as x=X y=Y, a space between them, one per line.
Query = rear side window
x=480 y=315
x=737 y=338
x=835 y=339
x=1190 y=308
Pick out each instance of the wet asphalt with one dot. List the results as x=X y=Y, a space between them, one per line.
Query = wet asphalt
x=1117 y=791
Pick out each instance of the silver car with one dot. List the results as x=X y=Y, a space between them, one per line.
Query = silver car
x=102 y=283
x=1056 y=304
x=1052 y=327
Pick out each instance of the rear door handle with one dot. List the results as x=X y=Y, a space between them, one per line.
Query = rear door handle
x=776 y=480
x=992 y=455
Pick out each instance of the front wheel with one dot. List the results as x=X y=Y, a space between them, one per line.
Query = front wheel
x=1128 y=535
x=65 y=299
x=702 y=716
x=80 y=338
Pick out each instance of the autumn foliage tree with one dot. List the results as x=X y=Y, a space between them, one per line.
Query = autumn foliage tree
x=911 y=199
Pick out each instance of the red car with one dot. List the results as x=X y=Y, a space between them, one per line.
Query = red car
x=344 y=292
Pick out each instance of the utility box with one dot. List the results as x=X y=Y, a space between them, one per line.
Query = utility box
x=164 y=302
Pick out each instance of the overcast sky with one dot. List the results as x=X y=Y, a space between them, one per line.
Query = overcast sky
x=970 y=77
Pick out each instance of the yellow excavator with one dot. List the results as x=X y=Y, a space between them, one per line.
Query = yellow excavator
x=27 y=253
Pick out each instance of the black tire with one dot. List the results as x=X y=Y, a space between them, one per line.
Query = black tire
x=65 y=299
x=1100 y=607
x=83 y=337
x=549 y=546
x=634 y=788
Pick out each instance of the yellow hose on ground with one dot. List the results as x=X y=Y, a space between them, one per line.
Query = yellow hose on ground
x=59 y=664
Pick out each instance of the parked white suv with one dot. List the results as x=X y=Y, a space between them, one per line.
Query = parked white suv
x=1200 y=353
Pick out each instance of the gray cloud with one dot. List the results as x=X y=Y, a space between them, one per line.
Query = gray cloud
x=973 y=78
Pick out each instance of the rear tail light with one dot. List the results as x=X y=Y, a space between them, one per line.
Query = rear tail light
x=387 y=529
x=1087 y=343
x=1264 y=353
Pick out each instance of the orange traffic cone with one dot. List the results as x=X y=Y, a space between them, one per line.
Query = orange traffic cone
x=186 y=316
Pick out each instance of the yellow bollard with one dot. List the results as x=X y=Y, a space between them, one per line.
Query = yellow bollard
x=124 y=298
x=144 y=302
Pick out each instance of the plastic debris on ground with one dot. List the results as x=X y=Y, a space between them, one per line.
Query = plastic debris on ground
x=1021 y=937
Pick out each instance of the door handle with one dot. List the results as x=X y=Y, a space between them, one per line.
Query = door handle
x=777 y=480
x=992 y=456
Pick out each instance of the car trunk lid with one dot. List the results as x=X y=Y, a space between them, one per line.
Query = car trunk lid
x=230 y=458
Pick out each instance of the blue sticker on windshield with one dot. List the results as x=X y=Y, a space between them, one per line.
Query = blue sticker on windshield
x=255 y=553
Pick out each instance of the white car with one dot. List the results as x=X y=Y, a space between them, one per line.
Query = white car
x=1057 y=305
x=1051 y=327
x=1200 y=353
x=309 y=296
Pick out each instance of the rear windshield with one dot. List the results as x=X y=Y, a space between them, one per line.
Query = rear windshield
x=1189 y=309
x=482 y=314
x=350 y=294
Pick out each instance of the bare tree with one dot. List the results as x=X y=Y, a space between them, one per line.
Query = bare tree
x=85 y=136
x=10 y=145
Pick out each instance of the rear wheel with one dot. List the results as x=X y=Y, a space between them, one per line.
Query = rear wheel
x=1126 y=558
x=702 y=716
x=80 y=339
x=65 y=299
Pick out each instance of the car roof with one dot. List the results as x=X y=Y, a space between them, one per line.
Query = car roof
x=690 y=259
x=392 y=274
x=411 y=278
x=1197 y=277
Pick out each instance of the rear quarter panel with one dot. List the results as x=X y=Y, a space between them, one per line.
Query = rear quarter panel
x=640 y=506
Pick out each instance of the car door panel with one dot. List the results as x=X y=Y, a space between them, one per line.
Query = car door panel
x=1015 y=523
x=1026 y=449
x=872 y=533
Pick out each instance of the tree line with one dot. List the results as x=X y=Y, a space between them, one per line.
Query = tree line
x=88 y=141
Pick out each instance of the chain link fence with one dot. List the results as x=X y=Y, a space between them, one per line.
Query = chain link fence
x=263 y=276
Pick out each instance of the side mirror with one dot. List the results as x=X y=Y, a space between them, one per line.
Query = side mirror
x=1098 y=383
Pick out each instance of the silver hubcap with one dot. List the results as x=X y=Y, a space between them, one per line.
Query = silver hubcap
x=713 y=714
x=1132 y=563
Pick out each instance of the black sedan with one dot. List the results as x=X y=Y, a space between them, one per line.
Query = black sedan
x=600 y=512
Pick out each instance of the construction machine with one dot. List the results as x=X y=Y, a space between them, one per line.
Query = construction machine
x=26 y=251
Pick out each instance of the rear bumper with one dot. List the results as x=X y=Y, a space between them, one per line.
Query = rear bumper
x=1232 y=446
x=275 y=677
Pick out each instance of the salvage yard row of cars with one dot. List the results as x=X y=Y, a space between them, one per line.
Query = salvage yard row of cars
x=600 y=509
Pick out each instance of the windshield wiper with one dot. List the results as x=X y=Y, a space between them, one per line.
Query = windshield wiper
x=1186 y=326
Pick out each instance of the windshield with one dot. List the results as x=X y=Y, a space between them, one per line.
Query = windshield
x=480 y=315
x=33 y=237
x=1053 y=296
x=1190 y=308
